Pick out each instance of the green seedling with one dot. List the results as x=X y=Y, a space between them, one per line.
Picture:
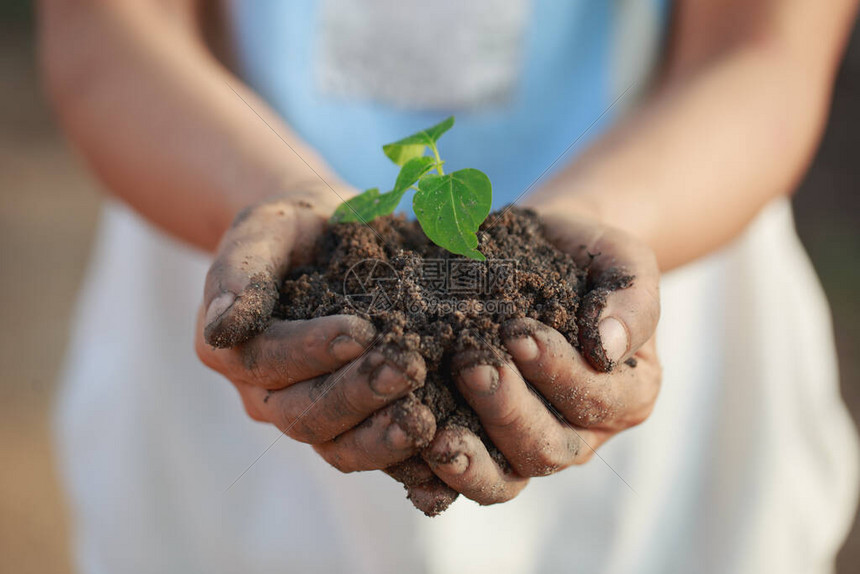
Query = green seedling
x=449 y=207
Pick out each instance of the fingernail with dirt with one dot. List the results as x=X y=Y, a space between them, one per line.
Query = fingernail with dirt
x=398 y=438
x=218 y=307
x=345 y=348
x=523 y=348
x=482 y=379
x=388 y=380
x=456 y=464
x=613 y=337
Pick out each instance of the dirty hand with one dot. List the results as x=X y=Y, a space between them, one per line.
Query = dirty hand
x=585 y=397
x=316 y=380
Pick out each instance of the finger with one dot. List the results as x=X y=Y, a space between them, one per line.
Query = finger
x=461 y=460
x=426 y=491
x=320 y=409
x=290 y=351
x=534 y=440
x=253 y=257
x=621 y=309
x=389 y=436
x=585 y=397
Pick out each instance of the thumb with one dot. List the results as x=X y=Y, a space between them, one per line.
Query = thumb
x=621 y=307
x=252 y=260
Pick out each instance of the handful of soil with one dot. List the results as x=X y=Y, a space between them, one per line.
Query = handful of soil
x=423 y=299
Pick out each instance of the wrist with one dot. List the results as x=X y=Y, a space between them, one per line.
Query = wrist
x=309 y=200
x=581 y=206
x=308 y=193
x=317 y=195
x=637 y=218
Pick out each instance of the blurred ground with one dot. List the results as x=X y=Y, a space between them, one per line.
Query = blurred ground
x=47 y=212
x=48 y=207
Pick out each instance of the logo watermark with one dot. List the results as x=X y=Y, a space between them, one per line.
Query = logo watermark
x=446 y=285
x=372 y=286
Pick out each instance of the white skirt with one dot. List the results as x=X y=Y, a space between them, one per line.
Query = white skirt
x=748 y=464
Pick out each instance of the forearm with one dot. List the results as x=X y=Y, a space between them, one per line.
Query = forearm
x=161 y=122
x=711 y=146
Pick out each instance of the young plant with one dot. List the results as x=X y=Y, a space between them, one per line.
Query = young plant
x=449 y=207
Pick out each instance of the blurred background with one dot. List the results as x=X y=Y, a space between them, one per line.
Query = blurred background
x=48 y=210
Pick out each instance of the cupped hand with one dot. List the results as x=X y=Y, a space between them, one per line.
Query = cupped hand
x=552 y=405
x=322 y=381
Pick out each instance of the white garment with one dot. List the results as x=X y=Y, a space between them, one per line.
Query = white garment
x=747 y=465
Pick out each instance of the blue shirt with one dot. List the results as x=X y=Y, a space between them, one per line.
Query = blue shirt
x=561 y=99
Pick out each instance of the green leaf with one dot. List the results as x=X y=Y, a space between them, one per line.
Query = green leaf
x=415 y=145
x=411 y=171
x=358 y=208
x=400 y=154
x=366 y=206
x=387 y=203
x=451 y=207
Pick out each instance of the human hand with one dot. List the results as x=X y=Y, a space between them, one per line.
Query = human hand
x=553 y=405
x=316 y=380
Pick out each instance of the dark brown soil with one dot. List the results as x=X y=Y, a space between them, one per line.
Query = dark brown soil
x=465 y=316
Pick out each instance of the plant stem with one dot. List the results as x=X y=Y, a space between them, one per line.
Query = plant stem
x=438 y=159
